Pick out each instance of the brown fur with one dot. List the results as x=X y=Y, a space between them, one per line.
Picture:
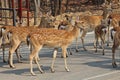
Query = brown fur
x=89 y=23
x=116 y=44
x=100 y=33
x=116 y=27
x=116 y=39
x=52 y=38
x=18 y=35
x=4 y=36
x=115 y=19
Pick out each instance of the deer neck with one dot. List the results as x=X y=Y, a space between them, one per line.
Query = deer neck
x=75 y=31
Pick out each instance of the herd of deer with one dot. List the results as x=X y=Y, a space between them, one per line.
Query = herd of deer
x=70 y=25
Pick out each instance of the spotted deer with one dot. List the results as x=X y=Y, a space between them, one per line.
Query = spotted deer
x=89 y=23
x=4 y=40
x=100 y=32
x=115 y=27
x=18 y=36
x=51 y=38
x=116 y=43
x=116 y=40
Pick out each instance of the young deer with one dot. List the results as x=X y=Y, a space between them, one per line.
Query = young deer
x=51 y=38
x=100 y=32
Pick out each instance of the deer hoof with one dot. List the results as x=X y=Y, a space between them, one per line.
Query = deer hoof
x=4 y=61
x=95 y=51
x=103 y=53
x=33 y=74
x=20 y=62
x=85 y=49
x=77 y=50
x=42 y=71
x=52 y=70
x=70 y=53
x=11 y=66
x=67 y=69
x=114 y=65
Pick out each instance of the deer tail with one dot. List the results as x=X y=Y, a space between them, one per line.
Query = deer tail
x=28 y=40
x=111 y=32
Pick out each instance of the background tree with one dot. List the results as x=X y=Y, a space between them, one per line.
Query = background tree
x=55 y=7
x=5 y=13
x=37 y=6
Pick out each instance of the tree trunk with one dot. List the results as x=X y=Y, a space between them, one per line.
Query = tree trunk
x=60 y=6
x=7 y=12
x=3 y=6
x=36 y=11
x=67 y=5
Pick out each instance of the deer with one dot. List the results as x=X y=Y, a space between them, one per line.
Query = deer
x=63 y=26
x=4 y=36
x=115 y=26
x=116 y=43
x=116 y=40
x=100 y=32
x=51 y=38
x=18 y=35
x=114 y=18
x=88 y=24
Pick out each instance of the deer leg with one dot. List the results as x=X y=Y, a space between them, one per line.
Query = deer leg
x=34 y=54
x=19 y=51
x=18 y=55
x=103 y=44
x=39 y=66
x=67 y=53
x=11 y=51
x=95 y=40
x=113 y=55
x=2 y=45
x=82 y=38
x=3 y=49
x=108 y=34
x=113 y=58
x=96 y=44
x=53 y=61
x=71 y=51
x=64 y=51
x=77 y=45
